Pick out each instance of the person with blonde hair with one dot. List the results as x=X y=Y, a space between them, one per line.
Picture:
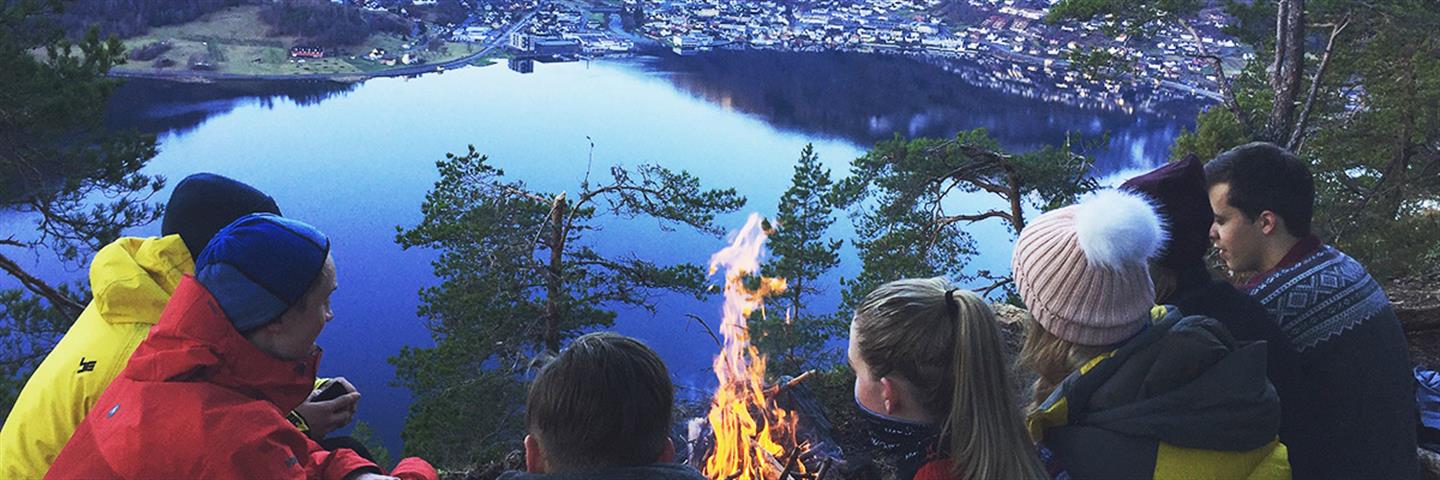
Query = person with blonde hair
x=1127 y=389
x=932 y=383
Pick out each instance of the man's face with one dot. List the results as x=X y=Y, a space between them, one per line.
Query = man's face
x=302 y=323
x=1238 y=238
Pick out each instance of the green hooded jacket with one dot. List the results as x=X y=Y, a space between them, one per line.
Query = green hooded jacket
x=1182 y=399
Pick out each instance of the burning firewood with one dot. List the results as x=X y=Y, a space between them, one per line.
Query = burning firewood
x=751 y=436
x=776 y=389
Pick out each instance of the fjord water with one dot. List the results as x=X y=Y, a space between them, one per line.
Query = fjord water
x=357 y=160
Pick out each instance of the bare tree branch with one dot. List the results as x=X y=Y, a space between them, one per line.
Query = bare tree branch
x=1301 y=125
x=985 y=292
x=708 y=330
x=1227 y=92
x=944 y=221
x=70 y=306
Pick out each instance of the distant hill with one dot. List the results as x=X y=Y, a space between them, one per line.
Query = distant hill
x=128 y=18
x=319 y=22
x=255 y=40
x=325 y=23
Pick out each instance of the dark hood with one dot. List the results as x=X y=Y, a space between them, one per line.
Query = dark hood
x=1184 y=381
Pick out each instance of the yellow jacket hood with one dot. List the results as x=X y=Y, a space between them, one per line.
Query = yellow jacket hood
x=133 y=278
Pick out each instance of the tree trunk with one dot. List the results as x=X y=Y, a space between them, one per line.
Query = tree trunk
x=1286 y=71
x=1017 y=196
x=554 y=278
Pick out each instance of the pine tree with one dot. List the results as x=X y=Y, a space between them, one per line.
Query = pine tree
x=519 y=277
x=1351 y=87
x=902 y=198
x=792 y=334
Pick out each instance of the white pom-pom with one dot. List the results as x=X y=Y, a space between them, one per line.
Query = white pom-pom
x=1118 y=228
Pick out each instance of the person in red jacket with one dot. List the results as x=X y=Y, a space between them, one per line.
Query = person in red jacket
x=205 y=395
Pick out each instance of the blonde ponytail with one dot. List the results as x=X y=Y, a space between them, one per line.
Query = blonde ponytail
x=984 y=427
x=946 y=343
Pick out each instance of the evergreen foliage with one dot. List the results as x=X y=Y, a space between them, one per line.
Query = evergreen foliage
x=904 y=200
x=1351 y=87
x=328 y=24
x=519 y=276
x=128 y=18
x=59 y=166
x=792 y=334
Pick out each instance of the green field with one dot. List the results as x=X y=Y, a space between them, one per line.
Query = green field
x=234 y=42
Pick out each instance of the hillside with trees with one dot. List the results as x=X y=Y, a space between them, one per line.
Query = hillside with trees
x=128 y=18
x=321 y=22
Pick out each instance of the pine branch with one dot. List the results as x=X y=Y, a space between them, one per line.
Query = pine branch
x=66 y=304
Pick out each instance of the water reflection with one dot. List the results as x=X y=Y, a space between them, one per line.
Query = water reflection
x=856 y=97
x=153 y=106
x=867 y=98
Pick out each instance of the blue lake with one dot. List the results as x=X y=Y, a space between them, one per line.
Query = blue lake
x=357 y=160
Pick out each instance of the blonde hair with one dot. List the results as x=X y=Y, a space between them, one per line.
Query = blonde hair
x=946 y=343
x=1051 y=358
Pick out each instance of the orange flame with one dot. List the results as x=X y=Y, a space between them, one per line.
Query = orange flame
x=751 y=432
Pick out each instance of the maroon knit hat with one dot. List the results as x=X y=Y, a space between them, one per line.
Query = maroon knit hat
x=1179 y=193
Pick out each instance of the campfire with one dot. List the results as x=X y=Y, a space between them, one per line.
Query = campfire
x=750 y=435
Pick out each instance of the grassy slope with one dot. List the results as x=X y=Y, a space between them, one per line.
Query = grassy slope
x=237 y=39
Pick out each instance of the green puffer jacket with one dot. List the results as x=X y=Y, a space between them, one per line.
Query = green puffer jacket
x=1182 y=399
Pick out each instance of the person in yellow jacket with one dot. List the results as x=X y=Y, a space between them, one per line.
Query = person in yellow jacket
x=1126 y=389
x=131 y=279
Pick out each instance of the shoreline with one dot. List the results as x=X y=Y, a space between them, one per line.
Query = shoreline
x=192 y=76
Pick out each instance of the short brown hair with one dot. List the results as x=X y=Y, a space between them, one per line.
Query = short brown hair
x=605 y=401
x=1263 y=176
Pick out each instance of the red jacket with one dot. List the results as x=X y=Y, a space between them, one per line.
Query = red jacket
x=198 y=400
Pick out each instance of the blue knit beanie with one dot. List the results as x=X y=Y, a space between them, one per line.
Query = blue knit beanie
x=260 y=265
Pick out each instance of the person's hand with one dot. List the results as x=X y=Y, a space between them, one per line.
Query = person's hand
x=329 y=415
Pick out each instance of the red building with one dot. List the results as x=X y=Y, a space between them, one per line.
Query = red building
x=307 y=52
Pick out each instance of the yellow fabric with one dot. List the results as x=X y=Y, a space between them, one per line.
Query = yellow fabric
x=1270 y=462
x=1055 y=415
x=1058 y=413
x=131 y=279
x=1157 y=313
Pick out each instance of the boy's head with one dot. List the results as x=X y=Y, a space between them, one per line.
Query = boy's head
x=272 y=277
x=204 y=203
x=1263 y=197
x=605 y=401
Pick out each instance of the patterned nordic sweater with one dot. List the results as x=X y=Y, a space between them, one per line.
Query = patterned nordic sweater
x=1352 y=414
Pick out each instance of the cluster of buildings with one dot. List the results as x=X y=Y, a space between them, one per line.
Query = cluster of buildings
x=1012 y=34
x=558 y=30
x=1010 y=39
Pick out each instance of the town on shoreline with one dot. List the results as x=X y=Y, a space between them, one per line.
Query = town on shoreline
x=997 y=43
